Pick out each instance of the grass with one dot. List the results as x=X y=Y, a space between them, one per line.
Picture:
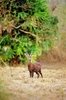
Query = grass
x=3 y=94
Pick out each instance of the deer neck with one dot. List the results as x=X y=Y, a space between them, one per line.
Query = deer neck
x=29 y=63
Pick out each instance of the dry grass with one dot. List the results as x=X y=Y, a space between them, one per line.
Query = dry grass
x=21 y=87
x=3 y=94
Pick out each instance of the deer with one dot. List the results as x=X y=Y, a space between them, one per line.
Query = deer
x=33 y=67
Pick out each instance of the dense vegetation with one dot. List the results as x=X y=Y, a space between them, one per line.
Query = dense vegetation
x=25 y=26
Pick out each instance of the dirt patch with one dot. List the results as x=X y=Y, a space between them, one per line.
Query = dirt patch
x=21 y=87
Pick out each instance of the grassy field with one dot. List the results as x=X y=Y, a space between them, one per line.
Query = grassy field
x=20 y=86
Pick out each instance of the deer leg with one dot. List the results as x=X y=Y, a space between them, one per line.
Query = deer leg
x=41 y=73
x=37 y=74
x=32 y=74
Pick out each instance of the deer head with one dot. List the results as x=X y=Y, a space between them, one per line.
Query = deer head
x=29 y=57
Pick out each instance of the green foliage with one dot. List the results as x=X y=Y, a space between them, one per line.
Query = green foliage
x=54 y=20
x=27 y=27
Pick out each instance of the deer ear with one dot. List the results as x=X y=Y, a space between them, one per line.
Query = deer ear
x=27 y=55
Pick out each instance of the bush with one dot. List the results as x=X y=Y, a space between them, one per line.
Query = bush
x=26 y=26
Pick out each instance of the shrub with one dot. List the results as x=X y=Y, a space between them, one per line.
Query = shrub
x=26 y=26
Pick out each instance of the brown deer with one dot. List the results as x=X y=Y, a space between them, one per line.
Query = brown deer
x=33 y=67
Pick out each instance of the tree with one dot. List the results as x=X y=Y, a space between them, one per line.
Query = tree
x=26 y=26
